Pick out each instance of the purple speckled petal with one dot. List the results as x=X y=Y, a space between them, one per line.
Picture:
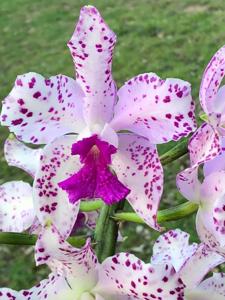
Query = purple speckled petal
x=126 y=275
x=79 y=266
x=9 y=294
x=211 y=80
x=16 y=206
x=91 y=47
x=51 y=202
x=217 y=163
x=94 y=179
x=188 y=184
x=212 y=288
x=21 y=156
x=206 y=236
x=212 y=208
x=38 y=110
x=204 y=144
x=198 y=265
x=173 y=248
x=54 y=287
x=161 y=110
x=137 y=165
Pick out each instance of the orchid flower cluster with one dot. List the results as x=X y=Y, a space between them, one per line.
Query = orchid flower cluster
x=94 y=141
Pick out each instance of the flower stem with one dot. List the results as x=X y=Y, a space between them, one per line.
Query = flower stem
x=106 y=231
x=106 y=228
x=14 y=238
x=87 y=206
x=175 y=152
x=169 y=214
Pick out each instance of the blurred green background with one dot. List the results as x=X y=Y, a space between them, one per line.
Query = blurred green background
x=172 y=38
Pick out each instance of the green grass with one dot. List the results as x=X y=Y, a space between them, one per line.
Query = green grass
x=172 y=38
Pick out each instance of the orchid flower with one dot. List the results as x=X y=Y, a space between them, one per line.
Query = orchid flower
x=210 y=195
x=18 y=209
x=205 y=147
x=207 y=144
x=151 y=111
x=210 y=219
x=176 y=268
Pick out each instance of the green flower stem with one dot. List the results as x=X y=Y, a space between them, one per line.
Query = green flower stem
x=13 y=238
x=87 y=206
x=177 y=151
x=107 y=228
x=106 y=231
x=169 y=214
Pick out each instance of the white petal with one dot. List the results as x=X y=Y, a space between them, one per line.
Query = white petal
x=51 y=202
x=212 y=288
x=21 y=156
x=161 y=110
x=38 y=110
x=16 y=209
x=137 y=165
x=173 y=248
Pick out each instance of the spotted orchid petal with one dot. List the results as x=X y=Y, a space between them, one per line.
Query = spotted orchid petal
x=21 y=156
x=188 y=184
x=55 y=287
x=173 y=248
x=38 y=110
x=217 y=163
x=137 y=164
x=212 y=288
x=126 y=275
x=204 y=144
x=91 y=47
x=211 y=210
x=161 y=110
x=79 y=266
x=198 y=265
x=206 y=236
x=16 y=209
x=9 y=294
x=51 y=202
x=211 y=80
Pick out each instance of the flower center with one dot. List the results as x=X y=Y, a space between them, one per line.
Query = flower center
x=94 y=179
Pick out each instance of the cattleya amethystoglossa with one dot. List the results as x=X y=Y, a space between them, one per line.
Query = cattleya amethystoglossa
x=101 y=143
x=111 y=150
